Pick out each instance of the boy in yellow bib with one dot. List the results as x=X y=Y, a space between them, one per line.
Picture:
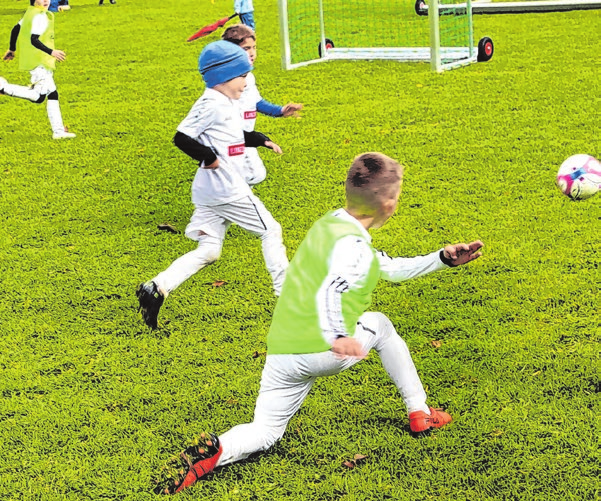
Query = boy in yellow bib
x=38 y=56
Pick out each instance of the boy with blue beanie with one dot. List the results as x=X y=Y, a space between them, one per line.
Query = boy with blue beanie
x=212 y=134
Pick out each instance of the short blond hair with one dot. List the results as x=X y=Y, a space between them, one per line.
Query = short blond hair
x=237 y=33
x=372 y=180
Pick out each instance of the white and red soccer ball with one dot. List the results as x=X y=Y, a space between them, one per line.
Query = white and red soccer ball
x=579 y=177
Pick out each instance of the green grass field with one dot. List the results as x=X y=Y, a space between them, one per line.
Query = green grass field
x=92 y=402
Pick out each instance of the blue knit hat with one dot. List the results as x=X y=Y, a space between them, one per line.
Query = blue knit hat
x=222 y=61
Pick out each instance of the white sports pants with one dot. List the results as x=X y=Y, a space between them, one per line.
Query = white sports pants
x=250 y=214
x=287 y=379
x=42 y=84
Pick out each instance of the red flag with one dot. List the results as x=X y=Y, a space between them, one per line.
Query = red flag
x=207 y=30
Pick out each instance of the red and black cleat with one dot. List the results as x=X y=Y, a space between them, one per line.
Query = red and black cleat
x=191 y=465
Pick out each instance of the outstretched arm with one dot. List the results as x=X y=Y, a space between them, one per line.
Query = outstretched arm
x=12 y=47
x=273 y=110
x=404 y=268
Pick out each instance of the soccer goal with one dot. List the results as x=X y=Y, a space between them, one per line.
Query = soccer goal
x=325 y=30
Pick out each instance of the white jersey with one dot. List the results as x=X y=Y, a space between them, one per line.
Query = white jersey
x=254 y=169
x=248 y=102
x=216 y=121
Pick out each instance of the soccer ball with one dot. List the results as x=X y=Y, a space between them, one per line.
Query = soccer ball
x=579 y=177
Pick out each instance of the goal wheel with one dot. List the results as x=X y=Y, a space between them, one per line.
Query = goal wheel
x=329 y=45
x=421 y=8
x=485 y=49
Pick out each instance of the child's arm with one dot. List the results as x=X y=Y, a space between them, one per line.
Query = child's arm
x=254 y=139
x=404 y=268
x=291 y=109
x=273 y=110
x=203 y=154
x=38 y=26
x=12 y=47
x=59 y=55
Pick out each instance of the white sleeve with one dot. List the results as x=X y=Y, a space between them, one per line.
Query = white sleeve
x=348 y=268
x=39 y=24
x=200 y=118
x=403 y=268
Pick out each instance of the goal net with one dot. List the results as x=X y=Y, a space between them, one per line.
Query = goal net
x=403 y=30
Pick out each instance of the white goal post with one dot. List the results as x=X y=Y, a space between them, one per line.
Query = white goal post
x=325 y=30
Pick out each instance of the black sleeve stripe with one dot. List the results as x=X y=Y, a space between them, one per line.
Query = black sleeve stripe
x=334 y=304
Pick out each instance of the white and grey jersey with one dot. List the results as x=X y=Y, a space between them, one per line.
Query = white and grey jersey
x=248 y=102
x=215 y=121
x=349 y=266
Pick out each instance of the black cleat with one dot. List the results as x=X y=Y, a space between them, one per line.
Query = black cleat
x=151 y=300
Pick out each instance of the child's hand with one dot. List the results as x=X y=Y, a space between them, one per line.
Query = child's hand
x=291 y=109
x=59 y=55
x=214 y=165
x=273 y=146
x=344 y=347
x=9 y=55
x=459 y=254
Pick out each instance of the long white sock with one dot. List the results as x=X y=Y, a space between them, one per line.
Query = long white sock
x=54 y=116
x=21 y=91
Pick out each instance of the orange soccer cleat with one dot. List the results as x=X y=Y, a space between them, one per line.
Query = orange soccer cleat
x=419 y=421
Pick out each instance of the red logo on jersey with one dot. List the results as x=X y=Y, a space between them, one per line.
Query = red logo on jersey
x=250 y=114
x=235 y=149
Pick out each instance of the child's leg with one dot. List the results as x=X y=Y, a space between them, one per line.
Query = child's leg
x=208 y=228
x=375 y=330
x=55 y=117
x=31 y=93
x=284 y=386
x=251 y=215
x=248 y=18
x=207 y=252
x=43 y=81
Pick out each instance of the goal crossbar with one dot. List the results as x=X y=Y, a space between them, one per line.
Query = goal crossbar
x=512 y=7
